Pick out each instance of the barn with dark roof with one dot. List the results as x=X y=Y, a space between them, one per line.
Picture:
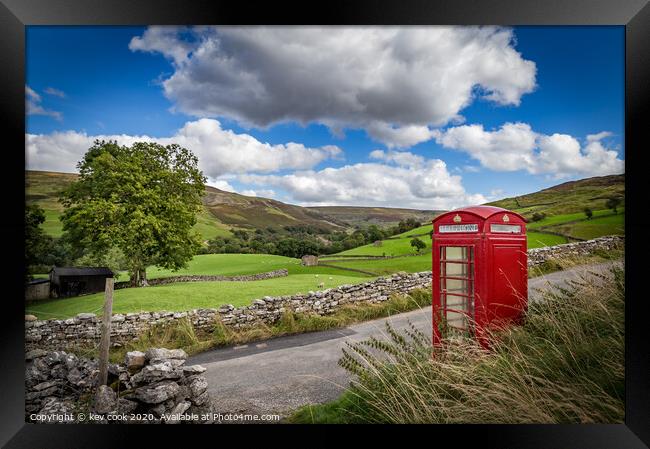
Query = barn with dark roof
x=75 y=281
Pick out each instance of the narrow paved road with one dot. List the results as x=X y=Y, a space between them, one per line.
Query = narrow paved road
x=282 y=374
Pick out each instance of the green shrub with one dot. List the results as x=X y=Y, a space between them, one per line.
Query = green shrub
x=538 y=216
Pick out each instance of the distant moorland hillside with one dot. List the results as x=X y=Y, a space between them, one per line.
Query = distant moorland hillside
x=569 y=197
x=382 y=216
x=223 y=211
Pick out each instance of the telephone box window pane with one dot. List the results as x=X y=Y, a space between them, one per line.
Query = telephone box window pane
x=460 y=254
x=456 y=253
x=456 y=269
x=462 y=286
x=507 y=229
x=456 y=303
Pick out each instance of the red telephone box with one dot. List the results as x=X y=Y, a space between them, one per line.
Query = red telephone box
x=480 y=269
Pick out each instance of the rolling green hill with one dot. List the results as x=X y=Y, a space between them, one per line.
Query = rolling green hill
x=567 y=198
x=381 y=216
x=43 y=188
x=240 y=211
x=223 y=211
x=397 y=245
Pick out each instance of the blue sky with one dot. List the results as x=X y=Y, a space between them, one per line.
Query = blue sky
x=427 y=118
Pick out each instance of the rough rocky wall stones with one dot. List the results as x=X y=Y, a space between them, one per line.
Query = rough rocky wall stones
x=309 y=260
x=206 y=278
x=154 y=386
x=538 y=256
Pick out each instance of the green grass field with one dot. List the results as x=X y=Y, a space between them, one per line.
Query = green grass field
x=596 y=227
x=382 y=267
x=185 y=296
x=560 y=219
x=188 y=296
x=208 y=227
x=390 y=247
x=235 y=264
x=538 y=240
x=227 y=265
x=400 y=245
x=397 y=245
x=426 y=229
x=571 y=225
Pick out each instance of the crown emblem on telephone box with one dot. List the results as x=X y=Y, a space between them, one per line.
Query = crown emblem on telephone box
x=506 y=219
x=457 y=219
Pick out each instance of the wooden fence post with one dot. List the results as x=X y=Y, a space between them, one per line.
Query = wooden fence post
x=104 y=343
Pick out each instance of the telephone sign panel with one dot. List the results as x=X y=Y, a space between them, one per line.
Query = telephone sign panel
x=458 y=228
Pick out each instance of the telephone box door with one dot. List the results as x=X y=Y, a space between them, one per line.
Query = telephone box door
x=509 y=281
x=455 y=286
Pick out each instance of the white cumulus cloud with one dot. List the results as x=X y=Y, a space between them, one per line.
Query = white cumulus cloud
x=401 y=158
x=265 y=193
x=515 y=146
x=405 y=180
x=220 y=151
x=397 y=83
x=221 y=184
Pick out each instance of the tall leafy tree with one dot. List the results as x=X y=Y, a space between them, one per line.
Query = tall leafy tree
x=142 y=199
x=374 y=233
x=36 y=242
x=418 y=244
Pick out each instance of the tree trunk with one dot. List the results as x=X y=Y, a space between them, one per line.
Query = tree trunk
x=143 y=277
x=134 y=278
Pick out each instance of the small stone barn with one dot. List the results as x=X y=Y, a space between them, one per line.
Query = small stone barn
x=309 y=260
x=74 y=281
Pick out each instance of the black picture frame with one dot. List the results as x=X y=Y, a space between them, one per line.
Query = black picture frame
x=633 y=14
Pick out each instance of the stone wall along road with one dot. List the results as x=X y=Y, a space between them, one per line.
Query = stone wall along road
x=84 y=329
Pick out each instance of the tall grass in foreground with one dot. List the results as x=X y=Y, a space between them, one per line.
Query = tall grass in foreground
x=565 y=364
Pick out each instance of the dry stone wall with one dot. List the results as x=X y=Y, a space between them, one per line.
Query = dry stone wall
x=84 y=329
x=204 y=278
x=152 y=386
x=537 y=256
